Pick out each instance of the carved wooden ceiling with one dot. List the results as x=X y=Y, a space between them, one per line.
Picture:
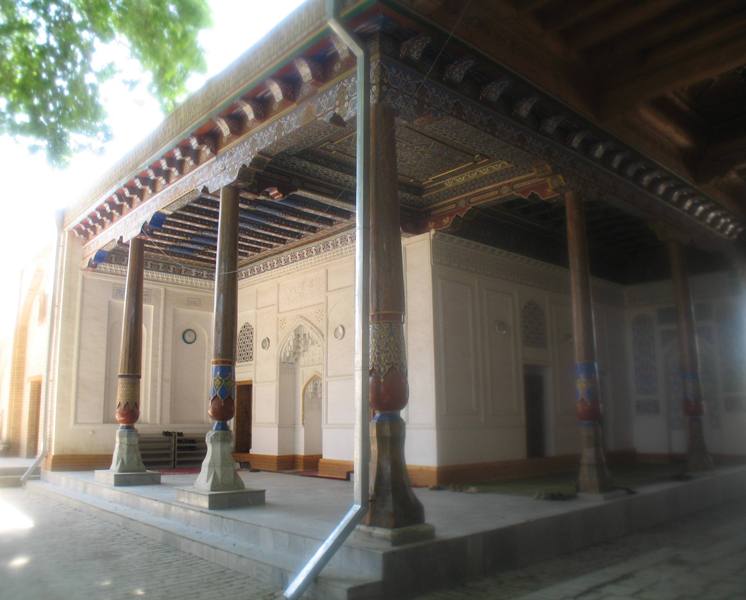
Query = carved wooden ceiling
x=645 y=100
x=666 y=76
x=307 y=192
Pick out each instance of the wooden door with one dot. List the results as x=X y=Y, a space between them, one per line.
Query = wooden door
x=242 y=424
x=533 y=386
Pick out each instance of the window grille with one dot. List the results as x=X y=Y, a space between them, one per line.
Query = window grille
x=245 y=352
x=533 y=325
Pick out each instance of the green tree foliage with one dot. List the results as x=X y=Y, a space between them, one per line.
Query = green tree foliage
x=49 y=86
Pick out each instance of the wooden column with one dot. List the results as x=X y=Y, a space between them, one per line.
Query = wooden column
x=593 y=476
x=393 y=504
x=127 y=467
x=218 y=472
x=218 y=484
x=223 y=392
x=130 y=357
x=698 y=458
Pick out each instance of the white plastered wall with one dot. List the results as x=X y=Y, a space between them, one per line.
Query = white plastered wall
x=479 y=292
x=655 y=398
x=36 y=352
x=175 y=375
x=319 y=293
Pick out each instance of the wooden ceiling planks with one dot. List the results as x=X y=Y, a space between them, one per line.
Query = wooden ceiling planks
x=265 y=226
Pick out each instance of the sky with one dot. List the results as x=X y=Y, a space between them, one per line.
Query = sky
x=34 y=191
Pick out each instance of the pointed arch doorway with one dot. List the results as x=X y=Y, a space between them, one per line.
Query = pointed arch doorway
x=301 y=394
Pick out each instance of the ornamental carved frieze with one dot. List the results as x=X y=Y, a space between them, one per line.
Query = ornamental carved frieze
x=389 y=390
x=128 y=399
x=387 y=348
x=269 y=140
x=589 y=159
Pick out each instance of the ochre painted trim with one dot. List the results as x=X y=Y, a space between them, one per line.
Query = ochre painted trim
x=283 y=462
x=267 y=462
x=419 y=475
x=307 y=462
x=425 y=476
x=660 y=457
x=336 y=469
x=729 y=459
x=679 y=457
x=77 y=462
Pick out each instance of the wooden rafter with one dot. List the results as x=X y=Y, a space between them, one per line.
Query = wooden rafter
x=691 y=64
x=616 y=22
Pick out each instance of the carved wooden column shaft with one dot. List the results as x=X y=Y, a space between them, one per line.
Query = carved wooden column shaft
x=693 y=407
x=393 y=504
x=222 y=396
x=127 y=467
x=130 y=357
x=593 y=476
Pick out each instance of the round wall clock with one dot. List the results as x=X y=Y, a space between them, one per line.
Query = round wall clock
x=189 y=336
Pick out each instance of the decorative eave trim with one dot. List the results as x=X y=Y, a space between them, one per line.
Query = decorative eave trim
x=331 y=248
x=223 y=168
x=268 y=78
x=161 y=272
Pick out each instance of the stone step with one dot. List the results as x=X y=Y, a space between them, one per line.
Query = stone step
x=14 y=470
x=222 y=539
x=10 y=481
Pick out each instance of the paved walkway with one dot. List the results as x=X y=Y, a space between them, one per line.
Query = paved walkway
x=51 y=549
x=702 y=557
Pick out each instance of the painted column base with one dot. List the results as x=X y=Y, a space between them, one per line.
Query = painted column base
x=398 y=536
x=127 y=457
x=697 y=457
x=116 y=479
x=593 y=476
x=217 y=500
x=393 y=504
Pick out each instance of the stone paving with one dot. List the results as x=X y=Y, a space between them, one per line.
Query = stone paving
x=69 y=553
x=701 y=557
x=51 y=549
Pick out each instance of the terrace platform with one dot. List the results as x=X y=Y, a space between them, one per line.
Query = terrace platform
x=476 y=533
x=11 y=470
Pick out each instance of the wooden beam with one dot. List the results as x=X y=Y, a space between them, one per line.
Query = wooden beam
x=660 y=77
x=668 y=125
x=524 y=6
x=567 y=14
x=722 y=156
x=656 y=31
x=617 y=23
x=701 y=39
